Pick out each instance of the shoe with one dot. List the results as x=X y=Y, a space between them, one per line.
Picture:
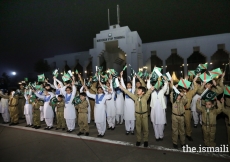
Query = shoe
x=175 y=146
x=34 y=126
x=113 y=128
x=195 y=126
x=87 y=133
x=16 y=123
x=5 y=122
x=98 y=135
x=80 y=133
x=157 y=139
x=10 y=124
x=102 y=135
x=160 y=139
x=37 y=127
x=49 y=128
x=146 y=144
x=138 y=143
x=109 y=128
x=127 y=133
x=189 y=138
x=63 y=129
x=70 y=131
x=27 y=125
x=132 y=132
x=56 y=128
x=31 y=125
x=46 y=128
x=183 y=146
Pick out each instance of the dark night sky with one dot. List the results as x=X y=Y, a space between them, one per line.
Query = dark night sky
x=33 y=29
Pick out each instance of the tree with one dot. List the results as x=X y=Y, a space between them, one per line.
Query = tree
x=41 y=66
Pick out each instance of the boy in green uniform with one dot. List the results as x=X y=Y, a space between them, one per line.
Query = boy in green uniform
x=60 y=113
x=209 y=113
x=141 y=112
x=82 y=115
x=36 y=113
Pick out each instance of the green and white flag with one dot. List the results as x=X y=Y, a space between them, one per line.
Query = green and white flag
x=76 y=71
x=216 y=72
x=55 y=72
x=227 y=90
x=53 y=101
x=191 y=72
x=184 y=83
x=76 y=100
x=133 y=73
x=176 y=92
x=205 y=77
x=66 y=77
x=208 y=95
x=124 y=68
x=41 y=78
x=201 y=68
x=156 y=73
x=140 y=73
x=158 y=85
x=26 y=79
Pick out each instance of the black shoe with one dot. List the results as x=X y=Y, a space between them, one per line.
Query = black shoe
x=189 y=138
x=27 y=125
x=102 y=135
x=49 y=128
x=132 y=132
x=160 y=139
x=16 y=123
x=80 y=133
x=46 y=128
x=11 y=124
x=113 y=128
x=31 y=125
x=183 y=146
x=175 y=146
x=68 y=130
x=34 y=126
x=127 y=133
x=56 y=128
x=157 y=139
x=87 y=133
x=109 y=128
x=5 y=122
x=138 y=143
x=98 y=135
x=195 y=126
x=146 y=144
x=63 y=129
x=37 y=127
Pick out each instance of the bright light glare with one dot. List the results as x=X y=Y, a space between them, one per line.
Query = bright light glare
x=13 y=73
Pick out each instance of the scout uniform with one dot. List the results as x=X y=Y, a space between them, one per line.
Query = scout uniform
x=209 y=122
x=13 y=108
x=82 y=117
x=178 y=112
x=141 y=115
x=21 y=104
x=187 y=115
x=60 y=105
x=36 y=113
x=227 y=112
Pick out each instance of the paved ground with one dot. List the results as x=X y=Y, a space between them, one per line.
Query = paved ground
x=27 y=144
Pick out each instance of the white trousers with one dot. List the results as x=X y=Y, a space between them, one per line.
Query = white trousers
x=111 y=121
x=159 y=130
x=129 y=125
x=49 y=122
x=41 y=116
x=70 y=124
x=101 y=127
x=6 y=116
x=29 y=119
x=196 y=117
x=118 y=118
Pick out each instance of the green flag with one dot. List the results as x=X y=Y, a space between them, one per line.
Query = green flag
x=76 y=71
x=55 y=72
x=176 y=92
x=158 y=85
x=205 y=77
x=41 y=78
x=191 y=72
x=66 y=77
x=208 y=95
x=140 y=73
x=227 y=90
x=184 y=83
x=53 y=101
x=26 y=79
x=201 y=68
x=76 y=100
x=216 y=72
x=156 y=73
x=124 y=68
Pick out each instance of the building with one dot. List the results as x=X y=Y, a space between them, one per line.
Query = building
x=118 y=46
